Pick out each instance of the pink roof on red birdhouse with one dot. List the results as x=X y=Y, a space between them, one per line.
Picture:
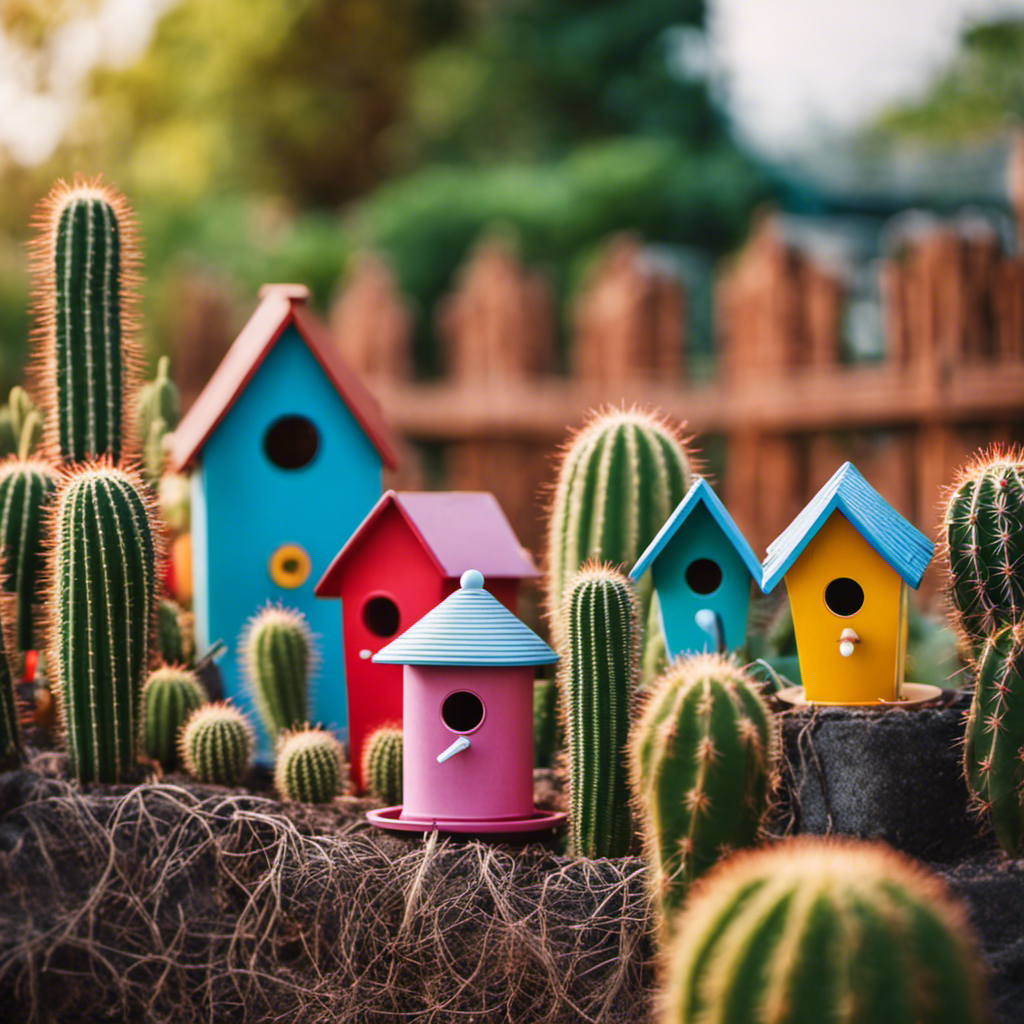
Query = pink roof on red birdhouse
x=281 y=306
x=459 y=530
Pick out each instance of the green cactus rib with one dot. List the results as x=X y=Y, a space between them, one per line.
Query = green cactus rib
x=599 y=673
x=817 y=930
x=701 y=758
x=984 y=533
x=383 y=764
x=994 y=737
x=278 y=657
x=10 y=727
x=101 y=605
x=170 y=695
x=26 y=492
x=309 y=766
x=216 y=744
x=545 y=722
x=620 y=478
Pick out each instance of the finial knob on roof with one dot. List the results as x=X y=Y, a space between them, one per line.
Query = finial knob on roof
x=472 y=579
x=292 y=292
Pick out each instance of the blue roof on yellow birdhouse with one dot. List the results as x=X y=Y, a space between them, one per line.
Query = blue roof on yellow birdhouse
x=470 y=627
x=901 y=544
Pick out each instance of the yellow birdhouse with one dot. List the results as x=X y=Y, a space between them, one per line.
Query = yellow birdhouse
x=848 y=559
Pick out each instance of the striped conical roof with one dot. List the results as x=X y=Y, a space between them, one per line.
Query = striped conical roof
x=471 y=627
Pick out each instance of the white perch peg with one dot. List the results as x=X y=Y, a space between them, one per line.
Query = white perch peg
x=710 y=622
x=846 y=641
x=462 y=743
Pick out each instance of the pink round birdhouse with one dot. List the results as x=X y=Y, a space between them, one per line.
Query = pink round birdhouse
x=467 y=707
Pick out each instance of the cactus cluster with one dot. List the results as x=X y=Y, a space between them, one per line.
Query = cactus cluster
x=812 y=930
x=382 y=764
x=598 y=675
x=701 y=758
x=278 y=658
x=170 y=695
x=216 y=744
x=309 y=766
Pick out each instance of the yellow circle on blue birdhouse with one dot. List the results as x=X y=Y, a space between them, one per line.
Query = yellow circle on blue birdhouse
x=290 y=566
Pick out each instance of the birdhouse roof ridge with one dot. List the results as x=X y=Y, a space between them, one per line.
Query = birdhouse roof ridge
x=906 y=549
x=468 y=628
x=700 y=493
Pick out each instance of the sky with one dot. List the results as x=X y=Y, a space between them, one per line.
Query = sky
x=792 y=71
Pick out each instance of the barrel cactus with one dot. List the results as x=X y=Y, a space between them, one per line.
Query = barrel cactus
x=382 y=764
x=101 y=608
x=994 y=737
x=85 y=261
x=701 y=757
x=984 y=539
x=278 y=658
x=598 y=676
x=216 y=744
x=26 y=491
x=170 y=695
x=817 y=930
x=309 y=766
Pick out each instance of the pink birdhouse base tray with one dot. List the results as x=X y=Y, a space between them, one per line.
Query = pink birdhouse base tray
x=913 y=694
x=388 y=817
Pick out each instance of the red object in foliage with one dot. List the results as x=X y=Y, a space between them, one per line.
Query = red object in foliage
x=31 y=660
x=406 y=557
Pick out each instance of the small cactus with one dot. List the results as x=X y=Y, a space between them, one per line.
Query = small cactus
x=819 y=930
x=994 y=737
x=382 y=764
x=983 y=526
x=309 y=766
x=157 y=400
x=701 y=756
x=545 y=722
x=10 y=727
x=26 y=492
x=216 y=744
x=176 y=643
x=599 y=673
x=101 y=605
x=26 y=422
x=85 y=263
x=278 y=657
x=170 y=695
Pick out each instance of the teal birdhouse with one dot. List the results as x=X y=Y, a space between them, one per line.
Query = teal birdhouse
x=702 y=567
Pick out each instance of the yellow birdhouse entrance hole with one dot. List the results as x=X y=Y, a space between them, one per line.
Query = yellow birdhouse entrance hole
x=841 y=584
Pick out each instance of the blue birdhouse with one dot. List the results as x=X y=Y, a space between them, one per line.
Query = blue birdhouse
x=286 y=448
x=702 y=567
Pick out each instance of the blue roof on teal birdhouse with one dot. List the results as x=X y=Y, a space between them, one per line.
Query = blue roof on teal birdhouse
x=471 y=627
x=902 y=545
x=700 y=493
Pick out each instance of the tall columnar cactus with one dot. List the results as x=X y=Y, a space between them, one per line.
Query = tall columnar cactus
x=994 y=737
x=984 y=536
x=620 y=478
x=309 y=766
x=701 y=757
x=26 y=492
x=812 y=930
x=599 y=670
x=382 y=764
x=170 y=695
x=278 y=657
x=85 y=261
x=101 y=608
x=216 y=744
x=545 y=722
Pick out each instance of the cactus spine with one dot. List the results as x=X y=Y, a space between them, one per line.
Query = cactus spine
x=994 y=737
x=278 y=658
x=545 y=722
x=85 y=259
x=382 y=764
x=168 y=698
x=309 y=766
x=599 y=671
x=984 y=534
x=619 y=480
x=26 y=490
x=101 y=607
x=701 y=755
x=813 y=930
x=216 y=744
